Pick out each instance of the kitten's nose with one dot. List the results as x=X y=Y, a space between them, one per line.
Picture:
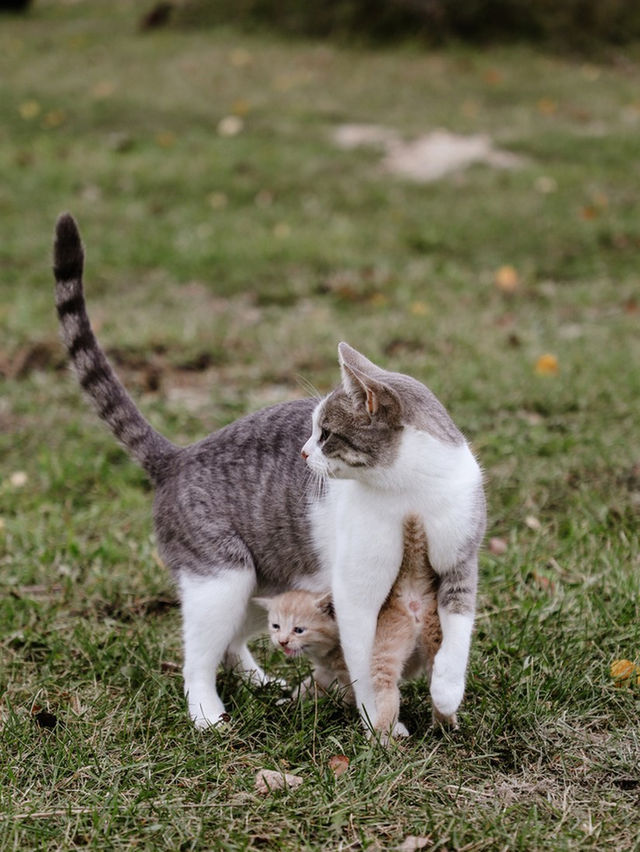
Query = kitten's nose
x=284 y=642
x=304 y=454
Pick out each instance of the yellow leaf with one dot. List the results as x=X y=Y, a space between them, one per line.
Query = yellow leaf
x=165 y=139
x=378 y=300
x=29 y=109
x=217 y=200
x=622 y=671
x=240 y=107
x=240 y=58
x=419 y=309
x=547 y=365
x=547 y=107
x=507 y=279
x=281 y=231
x=54 y=118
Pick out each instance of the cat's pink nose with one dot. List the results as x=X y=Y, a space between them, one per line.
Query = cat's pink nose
x=304 y=454
x=284 y=642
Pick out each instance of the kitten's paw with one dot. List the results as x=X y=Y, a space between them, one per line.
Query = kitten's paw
x=447 y=689
x=385 y=737
x=399 y=731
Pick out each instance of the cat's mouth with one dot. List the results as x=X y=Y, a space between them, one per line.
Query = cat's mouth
x=292 y=652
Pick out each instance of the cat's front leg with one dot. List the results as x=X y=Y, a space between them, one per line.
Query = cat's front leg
x=456 y=610
x=361 y=583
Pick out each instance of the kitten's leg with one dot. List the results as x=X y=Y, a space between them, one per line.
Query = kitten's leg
x=213 y=611
x=456 y=609
x=394 y=643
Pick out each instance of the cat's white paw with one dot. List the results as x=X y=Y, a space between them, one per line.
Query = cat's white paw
x=447 y=721
x=447 y=688
x=207 y=712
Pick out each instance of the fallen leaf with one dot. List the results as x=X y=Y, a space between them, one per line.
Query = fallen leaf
x=18 y=479
x=547 y=365
x=497 y=546
x=29 y=109
x=544 y=583
x=240 y=57
x=507 y=279
x=588 y=212
x=281 y=231
x=533 y=523
x=218 y=200
x=622 y=671
x=338 y=764
x=492 y=76
x=419 y=309
x=546 y=106
x=165 y=139
x=269 y=780
x=240 y=107
x=54 y=118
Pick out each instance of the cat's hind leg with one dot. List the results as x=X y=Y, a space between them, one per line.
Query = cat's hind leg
x=239 y=658
x=214 y=609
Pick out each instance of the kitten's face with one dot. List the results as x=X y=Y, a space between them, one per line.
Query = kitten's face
x=300 y=623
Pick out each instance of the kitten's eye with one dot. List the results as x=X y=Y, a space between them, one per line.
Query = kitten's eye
x=324 y=434
x=298 y=629
x=275 y=626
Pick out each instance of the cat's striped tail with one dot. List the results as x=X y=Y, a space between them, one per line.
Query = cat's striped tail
x=95 y=374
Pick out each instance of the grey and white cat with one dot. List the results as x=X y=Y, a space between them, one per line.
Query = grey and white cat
x=235 y=515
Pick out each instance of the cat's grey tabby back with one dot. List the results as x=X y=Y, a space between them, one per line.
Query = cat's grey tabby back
x=303 y=495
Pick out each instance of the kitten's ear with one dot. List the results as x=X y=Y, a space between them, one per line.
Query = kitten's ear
x=325 y=605
x=265 y=603
x=364 y=383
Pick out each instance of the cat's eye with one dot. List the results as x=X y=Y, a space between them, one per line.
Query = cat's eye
x=298 y=629
x=275 y=626
x=324 y=434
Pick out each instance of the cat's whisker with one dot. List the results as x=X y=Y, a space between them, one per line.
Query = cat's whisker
x=310 y=389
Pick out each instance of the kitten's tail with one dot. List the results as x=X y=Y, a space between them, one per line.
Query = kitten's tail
x=95 y=374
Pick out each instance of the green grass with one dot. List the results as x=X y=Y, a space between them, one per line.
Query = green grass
x=211 y=308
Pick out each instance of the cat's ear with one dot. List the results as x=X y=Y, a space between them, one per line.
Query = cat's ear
x=325 y=605
x=265 y=603
x=364 y=383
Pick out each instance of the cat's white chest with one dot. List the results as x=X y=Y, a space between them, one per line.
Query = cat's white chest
x=438 y=482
